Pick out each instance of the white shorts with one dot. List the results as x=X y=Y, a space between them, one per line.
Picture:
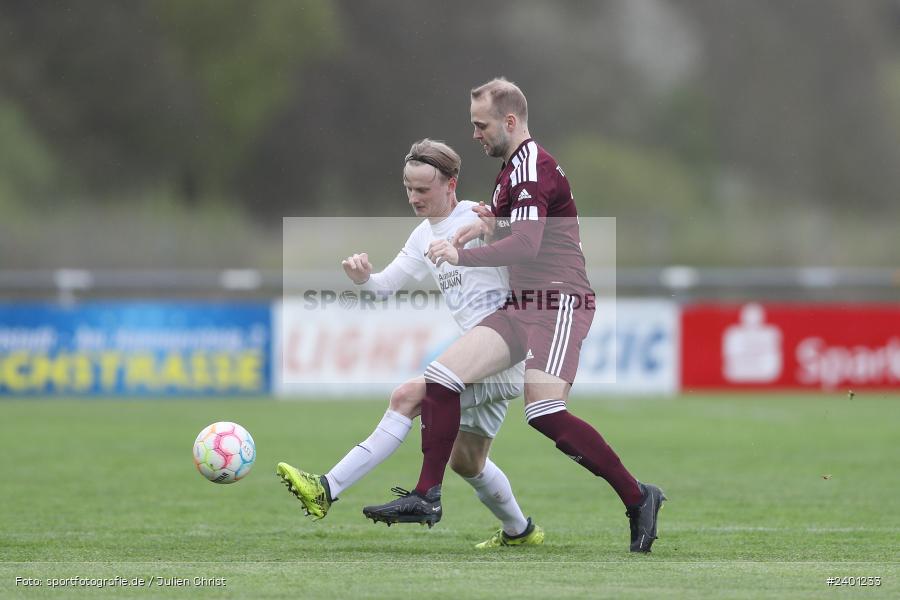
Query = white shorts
x=484 y=404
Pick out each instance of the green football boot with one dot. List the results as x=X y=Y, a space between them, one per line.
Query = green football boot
x=532 y=536
x=312 y=490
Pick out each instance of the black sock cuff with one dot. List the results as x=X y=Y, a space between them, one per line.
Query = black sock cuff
x=528 y=529
x=324 y=481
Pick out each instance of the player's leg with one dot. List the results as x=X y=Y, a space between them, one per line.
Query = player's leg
x=317 y=492
x=485 y=405
x=440 y=427
x=405 y=405
x=482 y=351
x=556 y=344
x=484 y=411
x=470 y=460
x=546 y=411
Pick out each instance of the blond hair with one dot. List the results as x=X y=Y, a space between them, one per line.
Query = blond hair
x=437 y=154
x=505 y=96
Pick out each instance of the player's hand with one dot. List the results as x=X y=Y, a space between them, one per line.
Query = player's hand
x=440 y=251
x=484 y=227
x=484 y=211
x=357 y=267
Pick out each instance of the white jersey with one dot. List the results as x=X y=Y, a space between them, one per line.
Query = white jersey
x=471 y=293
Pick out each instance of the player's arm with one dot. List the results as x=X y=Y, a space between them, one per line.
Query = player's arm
x=408 y=264
x=384 y=283
x=523 y=243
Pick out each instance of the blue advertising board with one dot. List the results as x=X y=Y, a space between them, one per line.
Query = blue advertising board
x=135 y=348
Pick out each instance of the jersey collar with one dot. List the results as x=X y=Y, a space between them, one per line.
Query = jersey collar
x=516 y=151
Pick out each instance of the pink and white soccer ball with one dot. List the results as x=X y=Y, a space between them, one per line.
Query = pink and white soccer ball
x=224 y=452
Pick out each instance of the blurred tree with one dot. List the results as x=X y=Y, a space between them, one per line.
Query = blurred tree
x=89 y=78
x=145 y=93
x=617 y=179
x=242 y=62
x=27 y=166
x=796 y=95
x=721 y=106
x=650 y=192
x=401 y=76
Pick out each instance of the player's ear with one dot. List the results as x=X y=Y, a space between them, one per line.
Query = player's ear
x=451 y=184
x=511 y=121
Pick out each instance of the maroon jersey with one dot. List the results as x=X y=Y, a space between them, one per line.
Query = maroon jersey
x=537 y=226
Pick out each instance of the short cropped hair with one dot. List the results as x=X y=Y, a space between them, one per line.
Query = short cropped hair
x=506 y=98
x=437 y=154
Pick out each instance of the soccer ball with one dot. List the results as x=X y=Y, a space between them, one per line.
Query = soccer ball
x=224 y=452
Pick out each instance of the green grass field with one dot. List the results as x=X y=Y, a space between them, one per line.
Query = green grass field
x=769 y=496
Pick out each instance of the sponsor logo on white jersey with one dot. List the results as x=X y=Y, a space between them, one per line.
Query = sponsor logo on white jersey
x=449 y=280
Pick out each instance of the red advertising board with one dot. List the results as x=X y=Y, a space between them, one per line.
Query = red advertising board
x=797 y=346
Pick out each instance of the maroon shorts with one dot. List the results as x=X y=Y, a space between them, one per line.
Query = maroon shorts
x=546 y=334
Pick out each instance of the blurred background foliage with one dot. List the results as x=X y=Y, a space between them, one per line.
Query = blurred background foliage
x=179 y=133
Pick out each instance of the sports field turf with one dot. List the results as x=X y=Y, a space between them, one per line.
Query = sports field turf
x=769 y=496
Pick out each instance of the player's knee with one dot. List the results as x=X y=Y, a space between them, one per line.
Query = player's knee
x=467 y=461
x=465 y=466
x=406 y=400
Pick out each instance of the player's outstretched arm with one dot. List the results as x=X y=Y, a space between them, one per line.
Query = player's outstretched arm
x=358 y=268
x=387 y=281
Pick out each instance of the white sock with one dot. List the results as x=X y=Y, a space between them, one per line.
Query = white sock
x=493 y=489
x=367 y=455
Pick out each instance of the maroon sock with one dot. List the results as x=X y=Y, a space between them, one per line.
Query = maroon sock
x=583 y=444
x=440 y=424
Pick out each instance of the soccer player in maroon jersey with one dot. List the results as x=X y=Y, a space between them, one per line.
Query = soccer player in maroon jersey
x=534 y=226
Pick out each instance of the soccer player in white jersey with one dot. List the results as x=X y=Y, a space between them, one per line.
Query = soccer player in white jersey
x=430 y=176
